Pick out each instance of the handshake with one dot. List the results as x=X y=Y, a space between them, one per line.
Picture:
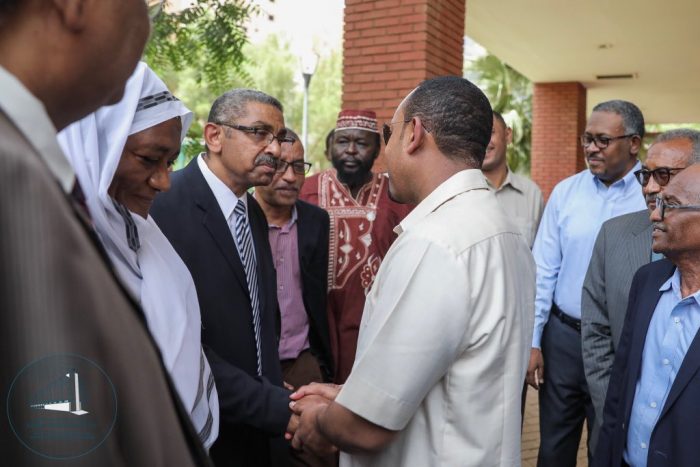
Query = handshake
x=306 y=429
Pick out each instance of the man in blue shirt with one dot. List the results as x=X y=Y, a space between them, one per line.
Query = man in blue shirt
x=576 y=209
x=652 y=409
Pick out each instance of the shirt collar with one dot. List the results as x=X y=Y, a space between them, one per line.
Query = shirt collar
x=673 y=284
x=462 y=181
x=509 y=180
x=226 y=198
x=29 y=115
x=289 y=223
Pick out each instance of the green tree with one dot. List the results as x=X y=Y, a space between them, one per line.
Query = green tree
x=510 y=94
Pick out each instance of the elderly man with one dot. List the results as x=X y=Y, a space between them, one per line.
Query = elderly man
x=651 y=410
x=362 y=218
x=576 y=209
x=443 y=348
x=622 y=247
x=68 y=329
x=519 y=196
x=221 y=234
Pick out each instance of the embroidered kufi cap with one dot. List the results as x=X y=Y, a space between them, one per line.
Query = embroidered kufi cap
x=357 y=120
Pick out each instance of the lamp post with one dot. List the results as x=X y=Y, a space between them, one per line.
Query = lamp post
x=308 y=67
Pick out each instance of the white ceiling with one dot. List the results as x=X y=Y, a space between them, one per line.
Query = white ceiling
x=559 y=40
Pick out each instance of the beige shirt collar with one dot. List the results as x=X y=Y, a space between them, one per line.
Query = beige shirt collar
x=29 y=115
x=462 y=181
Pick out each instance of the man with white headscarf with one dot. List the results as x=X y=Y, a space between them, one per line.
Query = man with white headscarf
x=122 y=155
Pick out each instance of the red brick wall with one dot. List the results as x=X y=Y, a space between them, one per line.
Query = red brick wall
x=558 y=119
x=390 y=46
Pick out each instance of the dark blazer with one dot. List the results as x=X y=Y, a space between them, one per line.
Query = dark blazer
x=254 y=410
x=313 y=231
x=59 y=297
x=674 y=441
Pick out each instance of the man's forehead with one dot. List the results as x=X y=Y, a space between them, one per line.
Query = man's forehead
x=681 y=148
x=353 y=132
x=292 y=152
x=604 y=122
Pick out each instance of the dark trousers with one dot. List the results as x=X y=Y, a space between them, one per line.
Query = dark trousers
x=564 y=398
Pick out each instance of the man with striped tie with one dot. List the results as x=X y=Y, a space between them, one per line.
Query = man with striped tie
x=220 y=232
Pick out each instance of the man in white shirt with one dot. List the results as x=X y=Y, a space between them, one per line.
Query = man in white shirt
x=445 y=330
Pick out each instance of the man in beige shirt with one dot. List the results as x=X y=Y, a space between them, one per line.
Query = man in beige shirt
x=443 y=342
x=519 y=196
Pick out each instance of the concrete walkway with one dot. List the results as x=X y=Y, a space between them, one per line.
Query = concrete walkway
x=531 y=434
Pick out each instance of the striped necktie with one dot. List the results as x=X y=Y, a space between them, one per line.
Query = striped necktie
x=201 y=409
x=244 y=241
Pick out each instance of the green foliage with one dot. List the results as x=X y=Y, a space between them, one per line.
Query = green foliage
x=510 y=94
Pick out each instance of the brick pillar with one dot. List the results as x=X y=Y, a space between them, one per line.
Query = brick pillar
x=390 y=46
x=558 y=119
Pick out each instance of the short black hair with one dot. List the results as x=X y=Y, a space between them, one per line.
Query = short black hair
x=456 y=113
x=499 y=117
x=632 y=117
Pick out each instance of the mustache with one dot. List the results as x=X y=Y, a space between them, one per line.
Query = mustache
x=265 y=159
x=650 y=198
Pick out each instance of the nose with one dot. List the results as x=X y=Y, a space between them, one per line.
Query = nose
x=351 y=148
x=288 y=175
x=160 y=179
x=274 y=148
x=655 y=215
x=652 y=187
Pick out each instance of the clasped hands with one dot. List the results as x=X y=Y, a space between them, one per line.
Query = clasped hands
x=307 y=405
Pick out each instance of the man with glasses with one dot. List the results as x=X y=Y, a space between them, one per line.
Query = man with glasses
x=623 y=246
x=576 y=209
x=221 y=234
x=362 y=219
x=652 y=409
x=63 y=312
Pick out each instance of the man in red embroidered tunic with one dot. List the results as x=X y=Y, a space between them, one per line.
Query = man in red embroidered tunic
x=361 y=230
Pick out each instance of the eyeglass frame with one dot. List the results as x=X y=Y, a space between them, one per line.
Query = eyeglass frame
x=638 y=174
x=254 y=130
x=607 y=140
x=662 y=206
x=282 y=166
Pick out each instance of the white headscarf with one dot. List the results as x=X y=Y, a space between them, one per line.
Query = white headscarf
x=154 y=273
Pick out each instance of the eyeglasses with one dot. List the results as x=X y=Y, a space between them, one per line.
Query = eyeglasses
x=662 y=175
x=662 y=206
x=261 y=135
x=299 y=167
x=601 y=142
x=386 y=130
x=154 y=8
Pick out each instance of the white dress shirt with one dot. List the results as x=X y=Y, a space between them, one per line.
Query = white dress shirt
x=445 y=333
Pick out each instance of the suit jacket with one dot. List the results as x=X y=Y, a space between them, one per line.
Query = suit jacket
x=674 y=440
x=60 y=303
x=622 y=247
x=312 y=239
x=254 y=409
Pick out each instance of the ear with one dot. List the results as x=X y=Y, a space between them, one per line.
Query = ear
x=509 y=135
x=416 y=135
x=213 y=137
x=635 y=144
x=73 y=13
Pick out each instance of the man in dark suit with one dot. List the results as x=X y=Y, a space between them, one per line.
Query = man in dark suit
x=67 y=327
x=221 y=233
x=651 y=409
x=623 y=246
x=299 y=241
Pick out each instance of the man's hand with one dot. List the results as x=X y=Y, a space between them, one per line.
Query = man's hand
x=306 y=435
x=327 y=391
x=535 y=369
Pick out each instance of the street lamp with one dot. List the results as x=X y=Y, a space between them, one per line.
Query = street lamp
x=308 y=67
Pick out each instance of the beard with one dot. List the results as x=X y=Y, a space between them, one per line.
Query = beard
x=357 y=177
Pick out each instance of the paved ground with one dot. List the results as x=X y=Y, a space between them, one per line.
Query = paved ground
x=531 y=434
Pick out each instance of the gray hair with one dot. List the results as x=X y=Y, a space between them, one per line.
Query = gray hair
x=632 y=117
x=232 y=104
x=682 y=133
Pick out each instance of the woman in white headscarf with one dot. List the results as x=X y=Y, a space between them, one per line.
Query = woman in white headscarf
x=122 y=156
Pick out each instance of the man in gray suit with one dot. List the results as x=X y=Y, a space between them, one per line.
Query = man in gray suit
x=82 y=380
x=623 y=246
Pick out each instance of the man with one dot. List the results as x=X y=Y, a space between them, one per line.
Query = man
x=362 y=218
x=519 y=196
x=651 y=410
x=576 y=209
x=444 y=337
x=221 y=234
x=67 y=327
x=299 y=242
x=622 y=247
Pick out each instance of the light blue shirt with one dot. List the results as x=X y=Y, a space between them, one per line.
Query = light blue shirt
x=572 y=218
x=672 y=329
